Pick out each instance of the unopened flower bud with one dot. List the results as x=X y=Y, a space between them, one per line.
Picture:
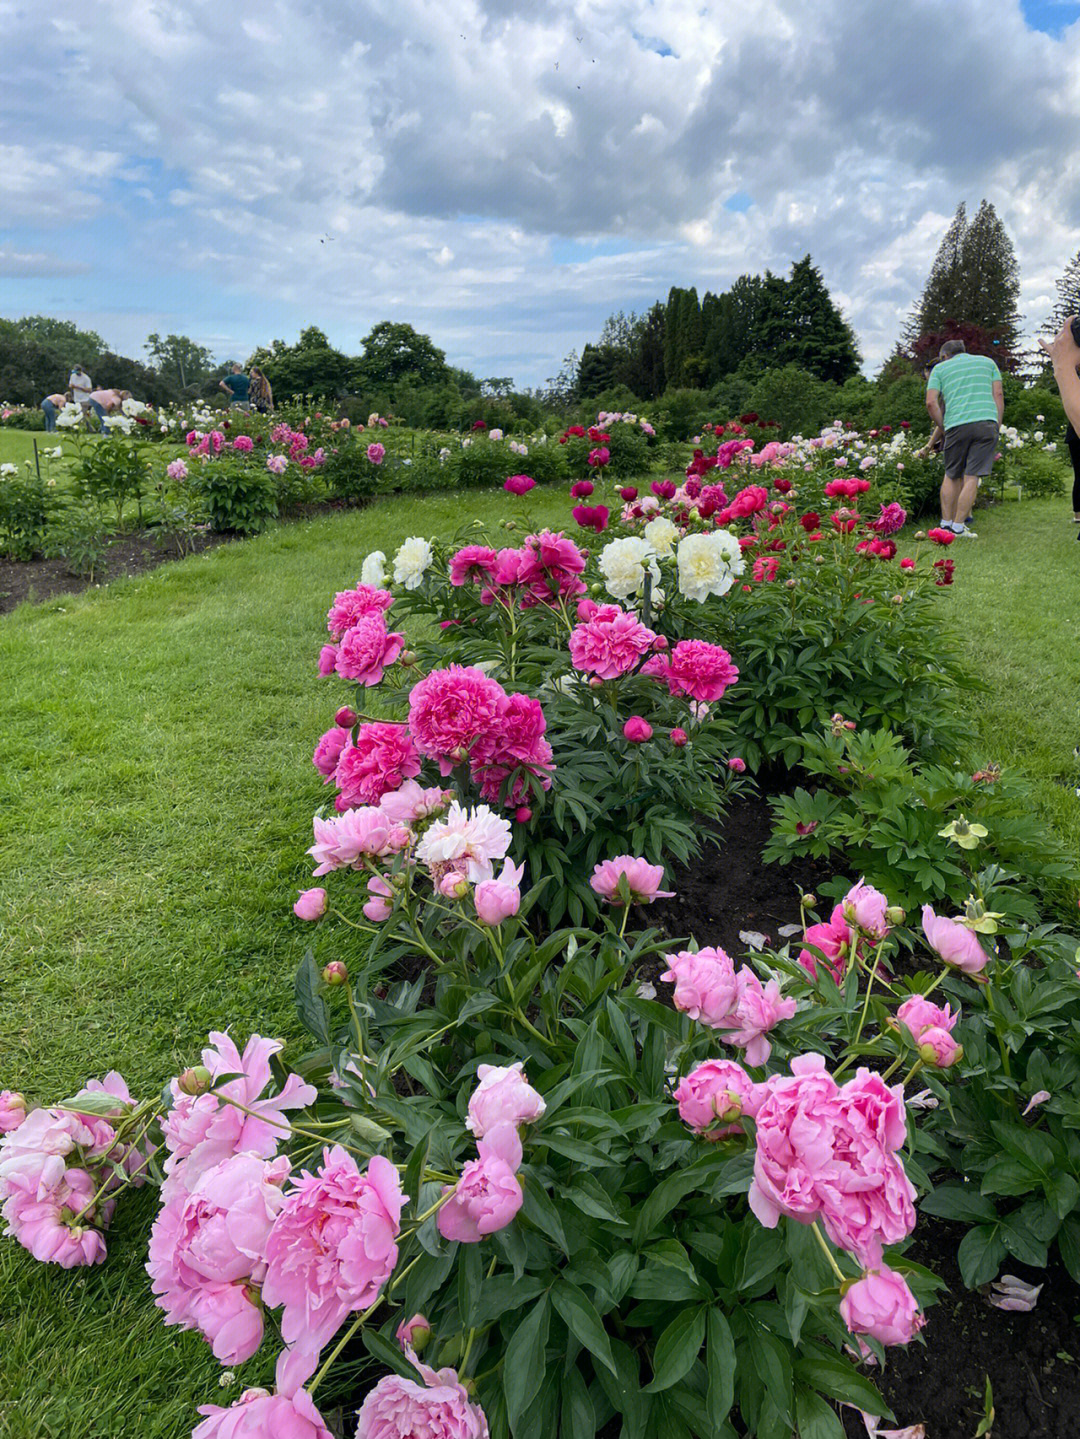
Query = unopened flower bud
x=523 y=815
x=596 y=589
x=790 y=584
x=920 y=534
x=895 y=915
x=335 y=972
x=346 y=717
x=407 y=659
x=511 y=524
x=195 y=1081
x=595 y=682
x=809 y=901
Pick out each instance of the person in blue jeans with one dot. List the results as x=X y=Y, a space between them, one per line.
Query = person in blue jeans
x=237 y=385
x=51 y=404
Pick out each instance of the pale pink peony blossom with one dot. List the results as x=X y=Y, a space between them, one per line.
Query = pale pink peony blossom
x=207 y=1251
x=919 y=1014
x=713 y=1095
x=399 y=1408
x=12 y=1110
x=499 y=899
x=467 y=841
x=704 y=985
x=381 y=902
x=758 y=1008
x=938 y=1048
x=488 y=1194
x=341 y=840
x=332 y=1247
x=953 y=942
x=311 y=904
x=881 y=1305
x=366 y=650
x=410 y=802
x=376 y=453
x=257 y=1414
x=1013 y=1295
x=865 y=906
x=627 y=879
x=50 y=1211
x=503 y=1096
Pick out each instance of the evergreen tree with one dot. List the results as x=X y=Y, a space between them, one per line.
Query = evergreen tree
x=943 y=291
x=597 y=370
x=684 y=335
x=1067 y=303
x=816 y=336
x=644 y=371
x=990 y=278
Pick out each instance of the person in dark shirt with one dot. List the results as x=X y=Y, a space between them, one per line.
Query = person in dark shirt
x=237 y=385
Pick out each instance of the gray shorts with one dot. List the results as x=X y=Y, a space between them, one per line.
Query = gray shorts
x=970 y=449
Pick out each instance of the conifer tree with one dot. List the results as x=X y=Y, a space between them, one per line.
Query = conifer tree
x=941 y=296
x=990 y=278
x=808 y=330
x=1067 y=303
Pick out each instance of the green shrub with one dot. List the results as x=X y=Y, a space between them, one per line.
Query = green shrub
x=240 y=497
x=112 y=471
x=27 y=508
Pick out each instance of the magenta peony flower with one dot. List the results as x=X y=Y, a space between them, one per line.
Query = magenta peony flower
x=714 y=1094
x=243 y=443
x=503 y=1096
x=380 y=759
x=450 y=709
x=340 y=841
x=328 y=751
x=207 y=1252
x=833 y=940
x=367 y=649
x=12 y=1110
x=473 y=563
x=704 y=985
x=694 y=668
x=831 y=1151
x=628 y=880
x=488 y=1195
x=398 y=1408
x=749 y=501
x=599 y=457
x=351 y=606
x=736 y=765
x=581 y=490
x=592 y=517
x=327 y=659
x=498 y=899
x=515 y=745
x=519 y=484
x=311 y=904
x=203 y=1130
x=865 y=906
x=376 y=453
x=332 y=1246
x=611 y=643
x=881 y=1304
x=678 y=737
x=550 y=568
x=637 y=730
x=467 y=841
x=953 y=942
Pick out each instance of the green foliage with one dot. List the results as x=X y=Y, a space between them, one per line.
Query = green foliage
x=83 y=541
x=27 y=509
x=310 y=367
x=795 y=398
x=240 y=497
x=394 y=351
x=1039 y=474
x=112 y=471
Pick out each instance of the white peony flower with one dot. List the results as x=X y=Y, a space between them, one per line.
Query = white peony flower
x=6 y=470
x=133 y=407
x=623 y=563
x=708 y=564
x=411 y=561
x=373 y=571
x=661 y=534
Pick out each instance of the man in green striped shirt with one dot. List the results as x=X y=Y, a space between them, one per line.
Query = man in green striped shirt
x=965 y=398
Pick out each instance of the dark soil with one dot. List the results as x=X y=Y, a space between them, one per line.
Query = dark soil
x=731 y=890
x=133 y=554
x=1032 y=1360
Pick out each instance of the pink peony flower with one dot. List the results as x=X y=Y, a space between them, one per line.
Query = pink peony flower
x=581 y=490
x=327 y=659
x=340 y=841
x=380 y=905
x=398 y=1408
x=450 y=709
x=410 y=802
x=695 y=668
x=243 y=443
x=953 y=942
x=519 y=484
x=277 y=464
x=637 y=730
x=332 y=1247
x=258 y=1414
x=611 y=643
x=736 y=765
x=207 y=1251
x=551 y=566
x=938 y=1048
x=467 y=841
x=918 y=1015
x=831 y=1151
x=473 y=563
x=515 y=743
x=177 y=470
x=12 y=1110
x=311 y=904
x=367 y=649
x=715 y=1093
x=892 y=518
x=205 y=1129
x=678 y=737
x=865 y=906
x=351 y=606
x=380 y=759
x=704 y=985
x=49 y=1209
x=599 y=457
x=503 y=1096
x=376 y=453
x=881 y=1304
x=628 y=880
x=833 y=939
x=498 y=899
x=328 y=751
x=592 y=517
x=758 y=1008
x=765 y=568
x=488 y=1195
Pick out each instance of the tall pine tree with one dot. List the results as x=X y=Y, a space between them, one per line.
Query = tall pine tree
x=809 y=330
x=990 y=278
x=1067 y=303
x=941 y=296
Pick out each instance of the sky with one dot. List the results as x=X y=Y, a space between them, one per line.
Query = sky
x=504 y=174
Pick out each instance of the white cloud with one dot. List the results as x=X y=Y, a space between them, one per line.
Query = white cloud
x=344 y=161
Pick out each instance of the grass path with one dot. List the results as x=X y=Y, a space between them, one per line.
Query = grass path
x=155 y=802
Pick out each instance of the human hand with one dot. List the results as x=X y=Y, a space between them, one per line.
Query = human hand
x=1063 y=348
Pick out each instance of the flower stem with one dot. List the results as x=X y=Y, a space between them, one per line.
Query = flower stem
x=828 y=1252
x=340 y=1345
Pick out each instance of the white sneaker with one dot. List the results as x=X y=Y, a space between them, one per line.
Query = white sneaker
x=963 y=533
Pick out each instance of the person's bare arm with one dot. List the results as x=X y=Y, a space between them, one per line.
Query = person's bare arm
x=934 y=408
x=1065 y=356
x=999 y=400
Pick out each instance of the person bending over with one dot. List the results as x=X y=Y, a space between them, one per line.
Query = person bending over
x=964 y=396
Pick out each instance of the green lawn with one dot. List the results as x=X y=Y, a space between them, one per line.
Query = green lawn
x=155 y=803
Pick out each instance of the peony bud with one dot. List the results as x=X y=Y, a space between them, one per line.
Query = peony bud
x=195 y=1081
x=415 y=1332
x=810 y=901
x=407 y=659
x=311 y=904
x=346 y=717
x=736 y=765
x=678 y=737
x=523 y=815
x=335 y=972
x=637 y=730
x=895 y=915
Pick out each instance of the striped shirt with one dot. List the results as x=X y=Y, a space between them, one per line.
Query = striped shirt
x=966 y=385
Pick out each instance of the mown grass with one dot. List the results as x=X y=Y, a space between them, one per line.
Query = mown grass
x=155 y=802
